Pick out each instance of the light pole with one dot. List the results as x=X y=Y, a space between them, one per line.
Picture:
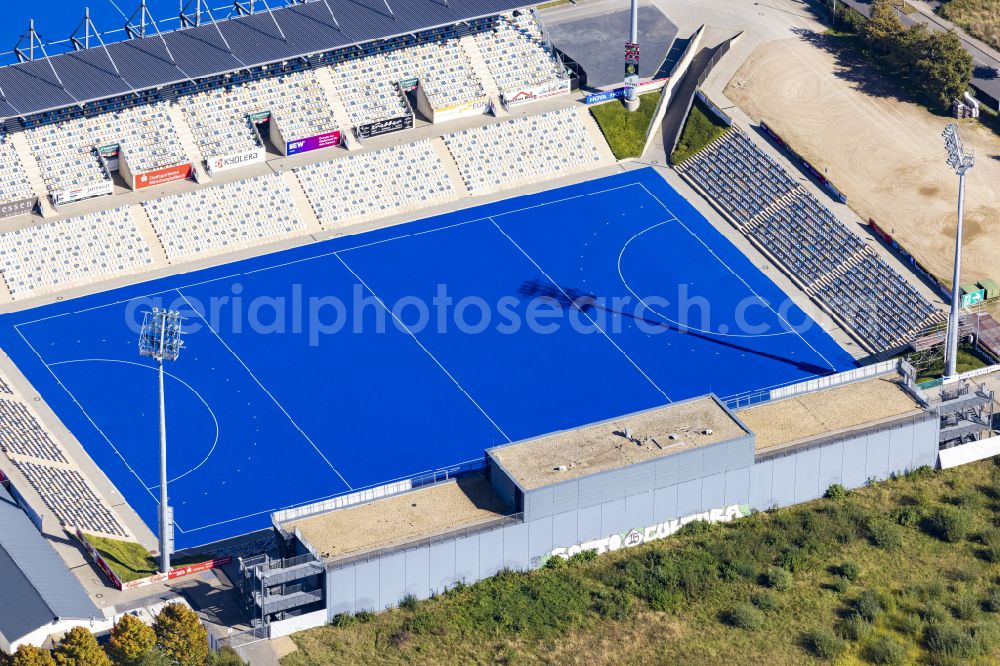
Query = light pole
x=160 y=339
x=632 y=59
x=961 y=159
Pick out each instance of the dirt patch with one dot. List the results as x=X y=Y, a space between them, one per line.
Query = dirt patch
x=885 y=154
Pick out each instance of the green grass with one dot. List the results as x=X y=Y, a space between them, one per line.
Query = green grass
x=553 y=3
x=980 y=18
x=626 y=132
x=701 y=128
x=701 y=597
x=130 y=560
x=967 y=360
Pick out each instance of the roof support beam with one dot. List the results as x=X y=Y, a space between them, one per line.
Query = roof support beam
x=88 y=25
x=188 y=21
x=275 y=19
x=133 y=33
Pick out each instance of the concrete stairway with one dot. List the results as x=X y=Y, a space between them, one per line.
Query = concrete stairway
x=301 y=201
x=597 y=136
x=148 y=233
x=32 y=171
x=450 y=167
x=186 y=137
x=482 y=71
x=325 y=79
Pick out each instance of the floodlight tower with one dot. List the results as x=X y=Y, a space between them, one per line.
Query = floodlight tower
x=961 y=159
x=160 y=339
x=632 y=59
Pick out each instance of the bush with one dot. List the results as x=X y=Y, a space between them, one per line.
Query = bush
x=934 y=611
x=991 y=540
x=408 y=602
x=884 y=534
x=950 y=523
x=836 y=491
x=966 y=607
x=948 y=639
x=745 y=616
x=885 y=650
x=737 y=569
x=850 y=571
x=841 y=585
x=555 y=562
x=364 y=616
x=779 y=579
x=907 y=516
x=342 y=620
x=854 y=628
x=825 y=644
x=992 y=603
x=226 y=656
x=764 y=601
x=582 y=556
x=613 y=604
x=869 y=605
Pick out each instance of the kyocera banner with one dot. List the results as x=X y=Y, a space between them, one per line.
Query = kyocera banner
x=161 y=176
x=384 y=127
x=325 y=140
x=227 y=162
x=86 y=192
x=12 y=208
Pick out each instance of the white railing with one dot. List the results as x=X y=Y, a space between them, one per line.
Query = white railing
x=829 y=381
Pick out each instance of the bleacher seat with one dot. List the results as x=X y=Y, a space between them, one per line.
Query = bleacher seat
x=71 y=498
x=516 y=53
x=21 y=434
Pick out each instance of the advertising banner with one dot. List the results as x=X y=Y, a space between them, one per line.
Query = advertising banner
x=162 y=176
x=535 y=93
x=227 y=162
x=325 y=140
x=111 y=154
x=12 y=208
x=98 y=559
x=406 y=85
x=474 y=107
x=631 y=65
x=384 y=127
x=85 y=192
x=260 y=116
x=619 y=93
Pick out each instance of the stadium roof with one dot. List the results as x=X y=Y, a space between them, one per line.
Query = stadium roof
x=37 y=586
x=220 y=47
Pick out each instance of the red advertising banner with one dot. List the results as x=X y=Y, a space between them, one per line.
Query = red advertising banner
x=162 y=176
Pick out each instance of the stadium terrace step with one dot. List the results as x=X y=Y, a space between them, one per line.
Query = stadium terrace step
x=148 y=233
x=337 y=108
x=34 y=174
x=186 y=137
x=597 y=136
x=482 y=70
x=301 y=201
x=450 y=167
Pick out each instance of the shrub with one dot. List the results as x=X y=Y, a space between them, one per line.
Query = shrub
x=908 y=624
x=907 y=516
x=854 y=628
x=364 y=615
x=841 y=585
x=779 y=579
x=966 y=607
x=934 y=611
x=950 y=523
x=226 y=656
x=739 y=568
x=583 y=556
x=825 y=644
x=884 y=534
x=992 y=603
x=868 y=605
x=948 y=639
x=745 y=616
x=408 y=602
x=991 y=540
x=849 y=570
x=885 y=650
x=764 y=601
x=613 y=604
x=922 y=472
x=836 y=491
x=342 y=620
x=555 y=562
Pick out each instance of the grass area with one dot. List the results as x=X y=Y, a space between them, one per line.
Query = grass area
x=968 y=359
x=980 y=18
x=625 y=132
x=553 y=3
x=902 y=571
x=130 y=560
x=701 y=128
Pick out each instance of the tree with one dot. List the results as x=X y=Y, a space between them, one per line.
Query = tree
x=130 y=640
x=80 y=648
x=29 y=655
x=181 y=636
x=883 y=28
x=945 y=68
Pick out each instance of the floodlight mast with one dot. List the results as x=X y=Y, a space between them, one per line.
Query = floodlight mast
x=160 y=339
x=961 y=159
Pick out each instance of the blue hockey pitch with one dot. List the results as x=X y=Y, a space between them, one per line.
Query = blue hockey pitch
x=381 y=356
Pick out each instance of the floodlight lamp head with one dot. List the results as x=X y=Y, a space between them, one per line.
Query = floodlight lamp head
x=160 y=335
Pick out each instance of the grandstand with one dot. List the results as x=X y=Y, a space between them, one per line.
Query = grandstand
x=832 y=264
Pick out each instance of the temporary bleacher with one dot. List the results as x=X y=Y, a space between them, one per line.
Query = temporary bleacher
x=65 y=253
x=376 y=184
x=224 y=218
x=832 y=263
x=14 y=186
x=21 y=434
x=71 y=498
x=523 y=150
x=517 y=54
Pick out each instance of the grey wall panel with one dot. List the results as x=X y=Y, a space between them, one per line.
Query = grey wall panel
x=442 y=566
x=665 y=504
x=564 y=529
x=639 y=510
x=855 y=462
x=761 y=477
x=538 y=503
x=418 y=581
x=740 y=452
x=877 y=462
x=590 y=490
x=738 y=486
x=340 y=591
x=713 y=491
x=392 y=580
x=467 y=559
x=540 y=537
x=807 y=475
x=639 y=478
x=925 y=443
x=612 y=517
x=901 y=449
x=490 y=552
x=614 y=484
x=689 y=497
x=565 y=497
x=588 y=525
x=666 y=473
x=783 y=480
x=503 y=485
x=714 y=458
x=515 y=547
x=831 y=465
x=689 y=465
x=366 y=581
